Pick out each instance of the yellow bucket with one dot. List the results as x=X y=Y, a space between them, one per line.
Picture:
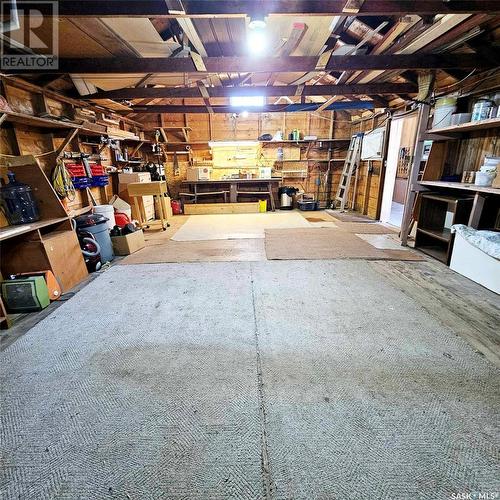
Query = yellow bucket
x=262 y=206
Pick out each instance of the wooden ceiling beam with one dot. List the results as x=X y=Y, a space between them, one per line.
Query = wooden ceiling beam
x=231 y=8
x=276 y=91
x=270 y=108
x=157 y=65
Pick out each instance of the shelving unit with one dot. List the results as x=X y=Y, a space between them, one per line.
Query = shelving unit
x=47 y=244
x=436 y=216
x=466 y=127
x=454 y=149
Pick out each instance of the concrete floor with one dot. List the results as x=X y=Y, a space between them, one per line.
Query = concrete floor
x=396 y=217
x=282 y=379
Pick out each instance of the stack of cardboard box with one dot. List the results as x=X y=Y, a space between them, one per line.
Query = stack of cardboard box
x=148 y=202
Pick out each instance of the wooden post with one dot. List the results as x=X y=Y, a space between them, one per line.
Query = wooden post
x=477 y=210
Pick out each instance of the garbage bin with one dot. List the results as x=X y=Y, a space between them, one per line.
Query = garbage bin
x=96 y=224
x=286 y=194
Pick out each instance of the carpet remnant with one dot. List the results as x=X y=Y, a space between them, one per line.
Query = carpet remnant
x=199 y=251
x=236 y=226
x=349 y=216
x=362 y=228
x=326 y=243
x=362 y=394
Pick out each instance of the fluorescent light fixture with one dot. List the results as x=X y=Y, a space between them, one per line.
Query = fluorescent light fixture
x=244 y=114
x=214 y=144
x=244 y=101
x=257 y=42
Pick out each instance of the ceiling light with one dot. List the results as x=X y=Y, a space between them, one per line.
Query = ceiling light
x=257 y=42
x=244 y=114
x=257 y=21
x=240 y=101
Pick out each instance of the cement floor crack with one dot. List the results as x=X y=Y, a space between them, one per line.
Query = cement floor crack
x=267 y=480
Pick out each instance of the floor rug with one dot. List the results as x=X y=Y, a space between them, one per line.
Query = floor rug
x=326 y=243
x=237 y=226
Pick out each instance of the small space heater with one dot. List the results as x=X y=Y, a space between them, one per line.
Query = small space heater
x=26 y=294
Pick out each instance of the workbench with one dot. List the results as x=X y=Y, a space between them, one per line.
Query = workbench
x=235 y=188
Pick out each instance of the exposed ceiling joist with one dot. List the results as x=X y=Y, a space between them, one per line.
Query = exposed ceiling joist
x=353 y=6
x=270 y=108
x=275 y=91
x=227 y=8
x=156 y=65
x=206 y=97
x=105 y=36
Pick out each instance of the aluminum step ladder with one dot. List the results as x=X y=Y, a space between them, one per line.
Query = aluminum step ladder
x=350 y=166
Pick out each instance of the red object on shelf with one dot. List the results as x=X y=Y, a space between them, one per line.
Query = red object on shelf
x=75 y=170
x=97 y=169
x=176 y=207
x=121 y=219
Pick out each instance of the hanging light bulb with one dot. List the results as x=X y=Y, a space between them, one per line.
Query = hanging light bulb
x=257 y=39
x=257 y=42
x=257 y=21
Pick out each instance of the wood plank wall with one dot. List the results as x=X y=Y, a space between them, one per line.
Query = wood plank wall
x=21 y=139
x=17 y=139
x=371 y=175
x=223 y=127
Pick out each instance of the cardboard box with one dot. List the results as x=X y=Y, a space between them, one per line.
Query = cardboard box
x=148 y=202
x=198 y=174
x=130 y=243
x=168 y=206
x=134 y=177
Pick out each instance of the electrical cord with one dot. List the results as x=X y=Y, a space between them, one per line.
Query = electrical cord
x=61 y=180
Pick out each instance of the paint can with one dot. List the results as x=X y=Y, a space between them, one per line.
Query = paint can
x=481 y=109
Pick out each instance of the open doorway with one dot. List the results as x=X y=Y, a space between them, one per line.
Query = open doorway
x=399 y=157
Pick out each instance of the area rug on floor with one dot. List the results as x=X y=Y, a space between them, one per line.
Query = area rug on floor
x=236 y=226
x=349 y=216
x=199 y=251
x=362 y=228
x=326 y=243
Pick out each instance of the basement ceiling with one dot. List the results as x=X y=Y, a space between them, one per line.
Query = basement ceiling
x=220 y=30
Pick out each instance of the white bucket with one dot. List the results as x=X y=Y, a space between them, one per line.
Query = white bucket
x=108 y=211
x=443 y=111
x=484 y=179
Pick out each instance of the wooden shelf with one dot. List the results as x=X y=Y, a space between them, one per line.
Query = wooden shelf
x=437 y=252
x=462 y=186
x=35 y=121
x=302 y=141
x=48 y=123
x=80 y=211
x=466 y=127
x=442 y=235
x=12 y=231
x=284 y=141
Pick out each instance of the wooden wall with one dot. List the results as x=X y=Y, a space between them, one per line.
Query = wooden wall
x=22 y=139
x=224 y=127
x=19 y=139
x=371 y=173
